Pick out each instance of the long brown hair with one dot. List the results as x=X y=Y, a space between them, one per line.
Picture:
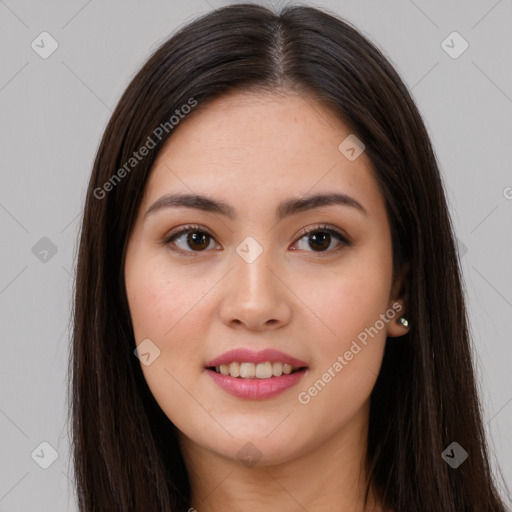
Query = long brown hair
x=125 y=450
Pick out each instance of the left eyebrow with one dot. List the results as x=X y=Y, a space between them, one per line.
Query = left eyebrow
x=286 y=208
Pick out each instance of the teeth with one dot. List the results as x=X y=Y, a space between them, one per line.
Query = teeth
x=234 y=369
x=265 y=370
x=277 y=369
x=287 y=369
x=247 y=370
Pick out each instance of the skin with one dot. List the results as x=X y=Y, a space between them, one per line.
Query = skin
x=253 y=151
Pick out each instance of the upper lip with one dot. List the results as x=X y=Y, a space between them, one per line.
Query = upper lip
x=244 y=355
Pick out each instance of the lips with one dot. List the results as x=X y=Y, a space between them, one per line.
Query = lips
x=255 y=375
x=248 y=356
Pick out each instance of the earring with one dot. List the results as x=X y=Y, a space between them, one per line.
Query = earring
x=402 y=320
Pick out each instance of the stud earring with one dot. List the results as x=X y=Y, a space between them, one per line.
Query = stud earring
x=402 y=320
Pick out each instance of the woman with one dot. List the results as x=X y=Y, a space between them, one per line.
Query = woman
x=269 y=309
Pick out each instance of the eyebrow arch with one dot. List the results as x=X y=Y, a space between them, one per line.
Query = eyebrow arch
x=285 y=208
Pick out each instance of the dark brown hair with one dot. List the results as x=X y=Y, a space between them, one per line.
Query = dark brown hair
x=125 y=450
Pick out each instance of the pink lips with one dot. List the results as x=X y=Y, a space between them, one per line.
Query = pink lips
x=256 y=389
x=248 y=356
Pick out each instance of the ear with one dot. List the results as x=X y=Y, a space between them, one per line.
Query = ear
x=398 y=302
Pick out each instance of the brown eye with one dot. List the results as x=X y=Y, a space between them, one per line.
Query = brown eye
x=189 y=239
x=197 y=240
x=320 y=238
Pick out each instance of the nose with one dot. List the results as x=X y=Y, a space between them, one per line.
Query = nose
x=255 y=296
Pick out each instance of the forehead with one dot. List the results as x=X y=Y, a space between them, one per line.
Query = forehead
x=261 y=147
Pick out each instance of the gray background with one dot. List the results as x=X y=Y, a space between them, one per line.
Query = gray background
x=53 y=112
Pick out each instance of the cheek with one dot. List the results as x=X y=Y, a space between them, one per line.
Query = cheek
x=166 y=307
x=348 y=355
x=347 y=301
x=171 y=305
x=161 y=298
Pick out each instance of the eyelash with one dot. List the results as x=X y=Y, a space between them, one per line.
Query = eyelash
x=194 y=228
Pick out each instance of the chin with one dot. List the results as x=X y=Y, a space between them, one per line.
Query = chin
x=254 y=449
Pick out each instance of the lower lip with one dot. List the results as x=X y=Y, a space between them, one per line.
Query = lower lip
x=256 y=389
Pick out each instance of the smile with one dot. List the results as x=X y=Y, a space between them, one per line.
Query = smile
x=252 y=375
x=266 y=370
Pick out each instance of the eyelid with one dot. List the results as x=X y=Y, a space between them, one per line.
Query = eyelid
x=329 y=228
x=168 y=238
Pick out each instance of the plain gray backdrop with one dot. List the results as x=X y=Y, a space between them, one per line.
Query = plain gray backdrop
x=54 y=110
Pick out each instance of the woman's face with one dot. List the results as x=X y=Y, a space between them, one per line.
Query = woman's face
x=248 y=278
